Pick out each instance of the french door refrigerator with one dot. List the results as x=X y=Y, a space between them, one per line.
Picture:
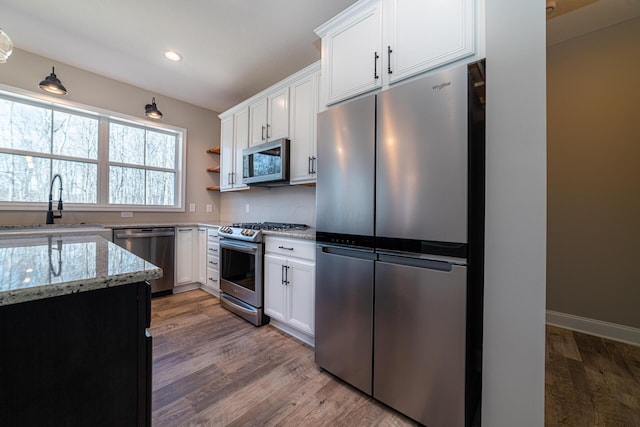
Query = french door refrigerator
x=400 y=216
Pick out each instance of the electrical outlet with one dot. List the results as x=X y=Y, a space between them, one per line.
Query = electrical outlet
x=209 y=208
x=126 y=214
x=192 y=207
x=246 y=208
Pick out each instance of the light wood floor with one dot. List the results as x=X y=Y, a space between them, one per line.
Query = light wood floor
x=590 y=381
x=211 y=368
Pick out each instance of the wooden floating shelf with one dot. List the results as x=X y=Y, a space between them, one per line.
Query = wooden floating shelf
x=215 y=169
x=214 y=188
x=214 y=150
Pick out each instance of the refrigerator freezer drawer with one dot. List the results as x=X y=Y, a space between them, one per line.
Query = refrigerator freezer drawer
x=344 y=316
x=419 y=349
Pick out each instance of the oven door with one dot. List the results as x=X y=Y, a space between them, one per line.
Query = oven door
x=241 y=271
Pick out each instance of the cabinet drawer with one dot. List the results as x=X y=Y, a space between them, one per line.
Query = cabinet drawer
x=212 y=234
x=213 y=278
x=213 y=249
x=213 y=262
x=297 y=248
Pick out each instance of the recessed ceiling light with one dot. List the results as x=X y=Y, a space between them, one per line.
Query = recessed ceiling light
x=172 y=55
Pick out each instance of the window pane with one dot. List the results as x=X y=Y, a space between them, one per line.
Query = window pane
x=160 y=188
x=161 y=150
x=126 y=144
x=79 y=181
x=24 y=178
x=25 y=127
x=75 y=136
x=126 y=186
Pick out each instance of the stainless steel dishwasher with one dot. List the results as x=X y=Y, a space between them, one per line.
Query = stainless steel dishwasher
x=155 y=245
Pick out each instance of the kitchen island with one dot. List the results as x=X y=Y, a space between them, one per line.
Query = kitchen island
x=73 y=317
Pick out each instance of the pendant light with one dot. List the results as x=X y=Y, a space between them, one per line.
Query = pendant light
x=151 y=111
x=6 y=46
x=51 y=84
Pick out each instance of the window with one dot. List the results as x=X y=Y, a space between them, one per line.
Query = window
x=104 y=161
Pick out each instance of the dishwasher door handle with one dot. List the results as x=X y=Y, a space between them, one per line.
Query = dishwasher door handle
x=143 y=235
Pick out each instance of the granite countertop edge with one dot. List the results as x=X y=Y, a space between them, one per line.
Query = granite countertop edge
x=15 y=296
x=308 y=234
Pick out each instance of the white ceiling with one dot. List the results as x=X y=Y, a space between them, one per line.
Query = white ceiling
x=232 y=49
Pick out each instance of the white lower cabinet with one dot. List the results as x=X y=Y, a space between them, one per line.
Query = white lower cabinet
x=212 y=251
x=202 y=256
x=289 y=285
x=184 y=255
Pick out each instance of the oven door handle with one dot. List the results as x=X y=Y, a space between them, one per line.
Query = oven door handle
x=239 y=246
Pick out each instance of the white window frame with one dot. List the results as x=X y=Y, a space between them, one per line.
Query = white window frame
x=104 y=117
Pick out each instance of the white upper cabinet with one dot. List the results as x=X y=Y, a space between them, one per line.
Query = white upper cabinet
x=425 y=34
x=405 y=37
x=287 y=109
x=352 y=51
x=269 y=117
x=234 y=137
x=304 y=108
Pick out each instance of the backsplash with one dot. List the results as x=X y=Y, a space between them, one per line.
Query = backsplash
x=293 y=204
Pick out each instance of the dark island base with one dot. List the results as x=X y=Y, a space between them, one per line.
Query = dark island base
x=77 y=360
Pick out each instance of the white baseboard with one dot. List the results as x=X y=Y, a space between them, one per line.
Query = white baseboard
x=184 y=288
x=612 y=331
x=207 y=289
x=307 y=339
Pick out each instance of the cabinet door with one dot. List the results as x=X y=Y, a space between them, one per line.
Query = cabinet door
x=278 y=115
x=274 y=287
x=227 y=151
x=352 y=55
x=241 y=141
x=202 y=255
x=304 y=101
x=258 y=122
x=301 y=295
x=424 y=34
x=184 y=255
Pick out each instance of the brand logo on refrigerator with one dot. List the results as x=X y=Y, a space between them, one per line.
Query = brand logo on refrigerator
x=441 y=86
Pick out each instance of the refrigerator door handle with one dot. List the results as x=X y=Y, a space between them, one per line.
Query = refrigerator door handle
x=348 y=252
x=430 y=264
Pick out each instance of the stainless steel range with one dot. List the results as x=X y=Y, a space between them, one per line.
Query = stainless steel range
x=241 y=258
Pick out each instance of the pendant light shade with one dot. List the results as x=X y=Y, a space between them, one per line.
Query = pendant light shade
x=151 y=111
x=6 y=46
x=51 y=84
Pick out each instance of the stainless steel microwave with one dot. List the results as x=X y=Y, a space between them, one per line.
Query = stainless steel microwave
x=266 y=164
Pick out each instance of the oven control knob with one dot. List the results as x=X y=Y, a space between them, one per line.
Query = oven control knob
x=250 y=232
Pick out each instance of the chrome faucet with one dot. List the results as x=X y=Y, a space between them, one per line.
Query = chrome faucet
x=50 y=215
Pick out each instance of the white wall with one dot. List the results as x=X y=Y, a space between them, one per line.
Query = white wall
x=514 y=308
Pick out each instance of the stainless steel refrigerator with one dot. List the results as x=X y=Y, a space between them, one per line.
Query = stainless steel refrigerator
x=400 y=216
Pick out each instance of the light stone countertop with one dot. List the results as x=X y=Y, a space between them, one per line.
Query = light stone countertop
x=33 y=268
x=308 y=234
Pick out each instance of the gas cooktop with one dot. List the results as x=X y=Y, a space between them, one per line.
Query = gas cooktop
x=251 y=231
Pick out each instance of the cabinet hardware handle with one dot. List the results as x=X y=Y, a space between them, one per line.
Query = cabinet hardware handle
x=268 y=126
x=282 y=275
x=229 y=178
x=309 y=169
x=389 y=60
x=262 y=134
x=184 y=229
x=233 y=178
x=313 y=164
x=286 y=270
x=284 y=247
x=375 y=65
